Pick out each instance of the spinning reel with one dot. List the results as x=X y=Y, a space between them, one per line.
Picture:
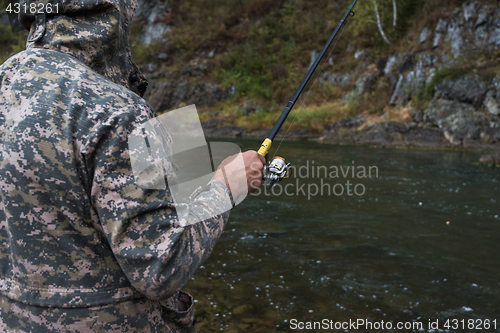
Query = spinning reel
x=275 y=171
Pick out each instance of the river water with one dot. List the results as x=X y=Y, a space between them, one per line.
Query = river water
x=418 y=243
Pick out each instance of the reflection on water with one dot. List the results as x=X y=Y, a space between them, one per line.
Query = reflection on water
x=386 y=255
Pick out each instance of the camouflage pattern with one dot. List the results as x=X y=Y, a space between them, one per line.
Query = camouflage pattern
x=83 y=248
x=139 y=315
x=94 y=31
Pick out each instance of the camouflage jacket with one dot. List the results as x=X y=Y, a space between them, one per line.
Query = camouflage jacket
x=82 y=247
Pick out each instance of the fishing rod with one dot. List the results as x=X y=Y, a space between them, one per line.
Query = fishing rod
x=277 y=169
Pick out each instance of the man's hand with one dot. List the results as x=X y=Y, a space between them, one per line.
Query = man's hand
x=241 y=178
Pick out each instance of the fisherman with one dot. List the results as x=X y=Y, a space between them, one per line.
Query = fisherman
x=83 y=248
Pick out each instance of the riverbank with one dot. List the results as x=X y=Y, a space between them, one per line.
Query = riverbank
x=355 y=130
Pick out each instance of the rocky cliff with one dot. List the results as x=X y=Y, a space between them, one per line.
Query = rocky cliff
x=464 y=108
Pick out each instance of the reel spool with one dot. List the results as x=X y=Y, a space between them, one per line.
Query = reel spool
x=275 y=171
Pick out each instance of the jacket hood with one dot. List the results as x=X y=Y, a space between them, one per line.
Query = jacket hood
x=94 y=31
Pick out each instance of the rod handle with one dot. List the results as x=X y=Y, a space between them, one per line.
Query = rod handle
x=264 y=147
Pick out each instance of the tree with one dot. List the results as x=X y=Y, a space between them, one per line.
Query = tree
x=379 y=23
x=395 y=10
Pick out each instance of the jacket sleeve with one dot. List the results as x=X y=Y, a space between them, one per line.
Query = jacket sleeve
x=158 y=251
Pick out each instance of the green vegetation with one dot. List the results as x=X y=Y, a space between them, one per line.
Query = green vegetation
x=427 y=92
x=276 y=49
x=365 y=31
x=311 y=118
x=11 y=42
x=484 y=64
x=141 y=52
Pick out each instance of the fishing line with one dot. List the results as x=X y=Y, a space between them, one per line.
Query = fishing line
x=314 y=82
